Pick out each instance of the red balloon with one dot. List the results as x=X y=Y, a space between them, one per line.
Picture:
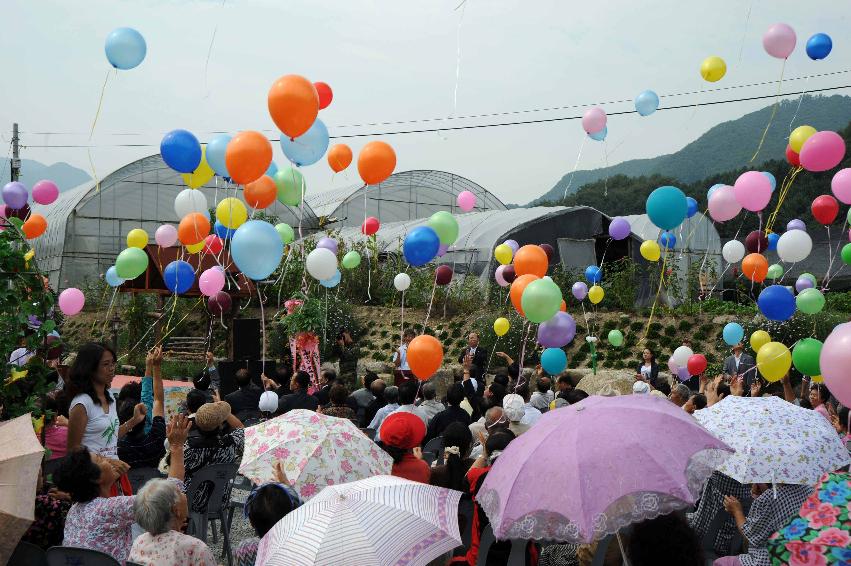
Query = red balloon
x=510 y=275
x=550 y=251
x=825 y=208
x=213 y=244
x=792 y=157
x=696 y=364
x=756 y=242
x=326 y=95
x=443 y=275
x=21 y=213
x=219 y=303
x=370 y=226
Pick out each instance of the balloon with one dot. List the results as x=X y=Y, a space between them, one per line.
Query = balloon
x=291 y=185
x=601 y=135
x=752 y=190
x=518 y=287
x=339 y=157
x=712 y=190
x=45 y=192
x=803 y=283
x=376 y=162
x=293 y=104
x=840 y=185
x=759 y=339
x=321 y=263
x=531 y=259
x=125 y=48
x=248 y=156
x=333 y=281
x=756 y=242
x=231 y=213
x=733 y=333
x=692 y=207
x=370 y=226
x=195 y=248
x=326 y=95
x=443 y=275
x=513 y=245
x=179 y=276
x=810 y=301
x=834 y=361
x=822 y=151
x=223 y=231
x=696 y=364
x=307 y=148
x=219 y=303
x=273 y=168
x=799 y=135
x=615 y=338
x=181 y=151
x=112 y=278
x=681 y=355
x=441 y=251
x=724 y=205
x=733 y=251
x=499 y=277
x=805 y=356
x=794 y=245
x=755 y=267
x=846 y=254
x=351 y=260
x=402 y=281
x=579 y=290
x=445 y=225
x=650 y=250
x=667 y=207
x=193 y=229
x=509 y=274
x=137 y=238
x=619 y=228
x=779 y=41
x=594 y=120
x=553 y=360
x=776 y=302
x=71 y=301
x=188 y=201
x=596 y=294
x=809 y=276
x=420 y=245
x=593 y=274
x=667 y=240
x=549 y=250
x=773 y=238
x=819 y=46
x=558 y=331
x=15 y=195
x=796 y=224
x=131 y=263
x=824 y=209
x=792 y=157
x=260 y=193
x=34 y=226
x=466 y=201
x=646 y=103
x=328 y=244
x=215 y=155
x=773 y=361
x=256 y=249
x=425 y=356
x=713 y=69
x=772 y=181
x=541 y=300
x=213 y=244
x=503 y=254
x=501 y=326
x=201 y=175
x=775 y=271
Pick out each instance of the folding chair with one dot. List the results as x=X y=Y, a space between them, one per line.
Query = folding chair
x=69 y=556
x=140 y=476
x=221 y=476
x=433 y=451
x=28 y=554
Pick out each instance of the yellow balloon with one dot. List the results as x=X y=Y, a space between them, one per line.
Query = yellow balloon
x=501 y=326
x=195 y=248
x=799 y=135
x=137 y=238
x=202 y=174
x=596 y=294
x=650 y=250
x=503 y=254
x=759 y=339
x=713 y=69
x=818 y=379
x=231 y=212
x=773 y=361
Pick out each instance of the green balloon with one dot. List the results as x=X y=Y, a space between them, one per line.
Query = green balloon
x=290 y=183
x=615 y=338
x=846 y=254
x=775 y=271
x=351 y=260
x=285 y=231
x=17 y=222
x=810 y=301
x=805 y=356
x=446 y=227
x=131 y=263
x=809 y=276
x=541 y=300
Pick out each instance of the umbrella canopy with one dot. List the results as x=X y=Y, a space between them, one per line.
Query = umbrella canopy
x=615 y=460
x=382 y=520
x=821 y=532
x=775 y=441
x=316 y=450
x=20 y=458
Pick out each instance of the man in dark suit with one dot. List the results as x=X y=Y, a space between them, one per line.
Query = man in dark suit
x=478 y=360
x=299 y=398
x=244 y=402
x=741 y=365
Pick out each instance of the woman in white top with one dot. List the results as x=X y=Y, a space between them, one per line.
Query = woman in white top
x=648 y=370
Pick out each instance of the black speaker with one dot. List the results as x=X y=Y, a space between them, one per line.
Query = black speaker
x=245 y=334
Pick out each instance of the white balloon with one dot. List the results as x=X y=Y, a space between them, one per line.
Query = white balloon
x=681 y=356
x=733 y=251
x=794 y=245
x=321 y=263
x=188 y=201
x=402 y=281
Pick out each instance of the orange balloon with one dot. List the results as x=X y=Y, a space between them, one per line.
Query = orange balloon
x=425 y=355
x=261 y=193
x=376 y=162
x=293 y=105
x=531 y=259
x=517 y=288
x=563 y=307
x=35 y=226
x=339 y=157
x=248 y=156
x=755 y=267
x=193 y=228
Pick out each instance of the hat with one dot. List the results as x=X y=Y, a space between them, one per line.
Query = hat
x=640 y=387
x=514 y=407
x=269 y=402
x=402 y=430
x=658 y=393
x=210 y=416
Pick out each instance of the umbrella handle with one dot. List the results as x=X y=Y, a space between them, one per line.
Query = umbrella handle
x=623 y=553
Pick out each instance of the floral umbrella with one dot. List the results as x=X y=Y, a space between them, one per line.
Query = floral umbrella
x=821 y=532
x=316 y=450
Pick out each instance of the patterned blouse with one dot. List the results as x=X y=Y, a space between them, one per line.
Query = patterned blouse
x=246 y=553
x=767 y=515
x=170 y=549
x=199 y=453
x=46 y=530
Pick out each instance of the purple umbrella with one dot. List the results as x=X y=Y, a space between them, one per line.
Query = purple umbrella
x=610 y=467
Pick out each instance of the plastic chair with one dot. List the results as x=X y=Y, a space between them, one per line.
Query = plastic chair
x=242 y=483
x=140 y=476
x=69 y=556
x=221 y=476
x=433 y=450
x=602 y=548
x=465 y=510
x=28 y=554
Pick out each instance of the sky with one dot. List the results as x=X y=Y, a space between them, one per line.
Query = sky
x=391 y=61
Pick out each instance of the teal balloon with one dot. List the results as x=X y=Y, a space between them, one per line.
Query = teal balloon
x=553 y=360
x=270 y=172
x=333 y=281
x=285 y=231
x=351 y=260
x=805 y=356
x=541 y=300
x=215 y=154
x=601 y=135
x=125 y=48
x=131 y=263
x=290 y=183
x=112 y=278
x=256 y=249
x=733 y=333
x=615 y=338
x=775 y=271
x=667 y=207
x=810 y=301
x=445 y=225
x=309 y=147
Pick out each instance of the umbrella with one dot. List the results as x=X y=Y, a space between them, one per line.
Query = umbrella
x=316 y=450
x=20 y=458
x=380 y=521
x=821 y=532
x=775 y=441
x=616 y=460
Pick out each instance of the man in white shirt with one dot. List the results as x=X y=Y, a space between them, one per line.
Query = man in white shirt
x=407 y=395
x=530 y=414
x=429 y=404
x=544 y=395
x=391 y=395
x=477 y=358
x=400 y=357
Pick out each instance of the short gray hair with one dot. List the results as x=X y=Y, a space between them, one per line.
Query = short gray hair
x=682 y=390
x=153 y=505
x=429 y=390
x=391 y=394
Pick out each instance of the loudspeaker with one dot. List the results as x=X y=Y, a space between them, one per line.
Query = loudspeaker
x=245 y=335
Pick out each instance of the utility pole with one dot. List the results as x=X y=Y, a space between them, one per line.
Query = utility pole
x=16 y=155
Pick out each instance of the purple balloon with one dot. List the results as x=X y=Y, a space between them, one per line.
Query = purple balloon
x=803 y=283
x=619 y=228
x=441 y=251
x=682 y=374
x=328 y=244
x=513 y=245
x=15 y=195
x=500 y=276
x=557 y=332
x=796 y=224
x=579 y=290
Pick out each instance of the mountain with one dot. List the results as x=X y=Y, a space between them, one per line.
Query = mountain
x=65 y=176
x=725 y=147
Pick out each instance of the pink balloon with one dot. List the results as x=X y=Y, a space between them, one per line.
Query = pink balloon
x=822 y=151
x=834 y=361
x=45 y=192
x=752 y=190
x=211 y=281
x=71 y=301
x=841 y=185
x=500 y=278
x=673 y=367
x=594 y=120
x=723 y=205
x=779 y=41
x=466 y=201
x=166 y=236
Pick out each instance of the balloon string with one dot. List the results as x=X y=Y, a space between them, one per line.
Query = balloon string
x=830 y=257
x=262 y=330
x=800 y=99
x=575 y=166
x=656 y=299
x=430 y=301
x=100 y=105
x=108 y=313
x=520 y=377
x=773 y=112
x=827 y=279
x=402 y=323
x=785 y=273
x=458 y=60
x=745 y=31
x=784 y=190
x=95 y=320
x=495 y=344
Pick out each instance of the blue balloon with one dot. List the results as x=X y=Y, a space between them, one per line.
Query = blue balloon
x=776 y=302
x=553 y=360
x=181 y=151
x=333 y=281
x=270 y=172
x=711 y=190
x=733 y=333
x=309 y=147
x=223 y=231
x=771 y=179
x=692 y=207
x=667 y=240
x=179 y=276
x=667 y=207
x=256 y=249
x=112 y=278
x=819 y=46
x=593 y=274
x=125 y=48
x=772 y=241
x=216 y=148
x=601 y=135
x=646 y=103
x=420 y=246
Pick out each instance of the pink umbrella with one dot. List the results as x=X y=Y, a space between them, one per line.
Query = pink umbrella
x=592 y=468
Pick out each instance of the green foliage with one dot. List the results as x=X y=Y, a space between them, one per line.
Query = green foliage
x=323 y=317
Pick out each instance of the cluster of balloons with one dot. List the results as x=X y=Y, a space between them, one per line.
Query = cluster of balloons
x=16 y=209
x=813 y=150
x=684 y=363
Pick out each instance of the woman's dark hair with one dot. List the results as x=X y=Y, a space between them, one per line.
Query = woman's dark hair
x=699 y=401
x=842 y=413
x=78 y=476
x=805 y=403
x=302 y=378
x=502 y=379
x=338 y=394
x=499 y=441
x=202 y=380
x=497 y=394
x=667 y=539
x=132 y=390
x=823 y=391
x=268 y=505
x=664 y=387
x=393 y=451
x=573 y=396
x=85 y=367
x=455 y=394
x=457 y=434
x=652 y=356
x=194 y=399
x=723 y=390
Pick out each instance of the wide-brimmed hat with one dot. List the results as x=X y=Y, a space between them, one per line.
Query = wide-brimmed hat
x=210 y=416
x=514 y=407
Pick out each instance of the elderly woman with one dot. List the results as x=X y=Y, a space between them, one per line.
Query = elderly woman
x=401 y=436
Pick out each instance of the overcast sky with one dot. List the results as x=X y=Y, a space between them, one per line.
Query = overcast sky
x=396 y=60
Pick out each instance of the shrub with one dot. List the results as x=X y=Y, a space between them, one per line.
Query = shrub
x=684 y=325
x=670 y=330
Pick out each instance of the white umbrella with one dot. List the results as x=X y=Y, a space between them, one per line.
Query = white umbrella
x=380 y=521
x=775 y=441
